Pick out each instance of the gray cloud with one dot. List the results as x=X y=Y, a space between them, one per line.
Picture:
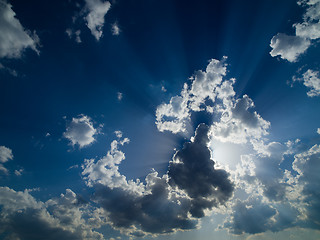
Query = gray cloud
x=23 y=217
x=164 y=204
x=14 y=39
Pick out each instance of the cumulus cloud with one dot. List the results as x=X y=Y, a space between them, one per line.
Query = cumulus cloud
x=14 y=39
x=97 y=10
x=311 y=79
x=159 y=204
x=23 y=217
x=291 y=47
x=210 y=92
x=288 y=47
x=307 y=165
x=238 y=123
x=192 y=170
x=80 y=131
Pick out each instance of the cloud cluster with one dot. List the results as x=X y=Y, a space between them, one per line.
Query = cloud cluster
x=23 y=217
x=277 y=198
x=14 y=39
x=80 y=131
x=291 y=47
x=159 y=204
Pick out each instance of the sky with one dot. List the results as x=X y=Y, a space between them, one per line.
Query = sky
x=159 y=120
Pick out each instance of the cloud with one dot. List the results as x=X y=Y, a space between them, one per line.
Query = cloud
x=14 y=39
x=80 y=131
x=5 y=156
x=288 y=47
x=97 y=10
x=205 y=86
x=159 y=204
x=307 y=165
x=115 y=29
x=192 y=170
x=23 y=217
x=210 y=92
x=71 y=33
x=256 y=216
x=238 y=123
x=311 y=79
x=119 y=96
x=291 y=47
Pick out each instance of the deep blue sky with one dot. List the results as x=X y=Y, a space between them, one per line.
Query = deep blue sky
x=160 y=45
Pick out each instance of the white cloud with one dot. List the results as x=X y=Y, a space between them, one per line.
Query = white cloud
x=5 y=154
x=14 y=39
x=80 y=131
x=115 y=29
x=97 y=10
x=291 y=47
x=288 y=47
x=119 y=96
x=205 y=85
x=318 y=130
x=310 y=79
x=209 y=91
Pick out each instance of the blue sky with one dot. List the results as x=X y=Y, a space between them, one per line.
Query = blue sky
x=159 y=119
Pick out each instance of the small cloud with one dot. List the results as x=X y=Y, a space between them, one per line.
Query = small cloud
x=288 y=47
x=163 y=89
x=318 y=131
x=115 y=29
x=76 y=34
x=48 y=134
x=95 y=18
x=119 y=96
x=311 y=80
x=80 y=131
x=5 y=154
x=18 y=172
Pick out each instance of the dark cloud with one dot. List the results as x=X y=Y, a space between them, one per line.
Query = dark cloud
x=192 y=170
x=32 y=224
x=155 y=213
x=250 y=216
x=23 y=217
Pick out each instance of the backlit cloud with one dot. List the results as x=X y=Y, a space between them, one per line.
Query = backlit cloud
x=291 y=47
x=161 y=204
